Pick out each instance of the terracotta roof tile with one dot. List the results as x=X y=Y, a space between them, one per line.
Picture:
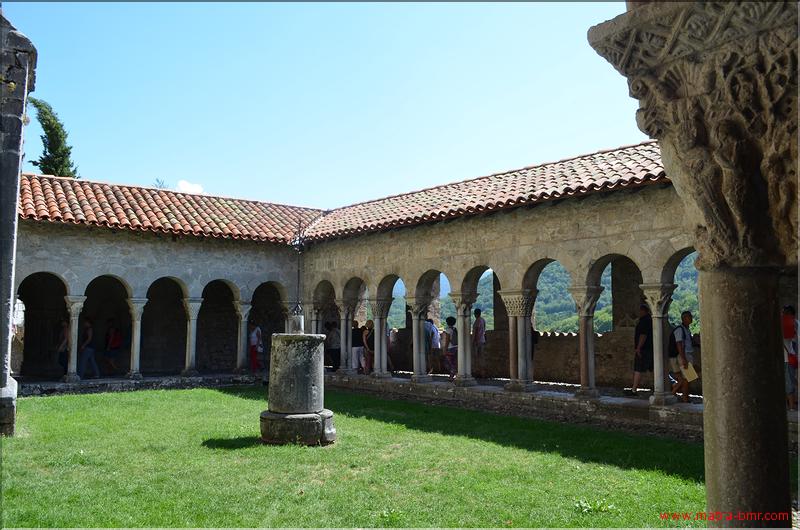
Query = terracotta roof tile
x=57 y=199
x=624 y=167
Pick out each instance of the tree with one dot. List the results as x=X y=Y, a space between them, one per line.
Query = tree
x=55 y=159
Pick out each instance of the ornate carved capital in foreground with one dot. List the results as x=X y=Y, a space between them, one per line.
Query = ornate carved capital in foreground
x=717 y=86
x=519 y=303
x=586 y=297
x=658 y=296
x=380 y=307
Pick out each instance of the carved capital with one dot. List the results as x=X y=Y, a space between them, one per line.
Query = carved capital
x=380 y=307
x=242 y=309
x=192 y=306
x=463 y=302
x=717 y=86
x=419 y=305
x=586 y=297
x=658 y=296
x=519 y=303
x=75 y=305
x=347 y=308
x=136 y=306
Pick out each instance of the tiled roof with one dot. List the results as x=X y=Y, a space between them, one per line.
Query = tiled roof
x=624 y=167
x=57 y=199
x=66 y=200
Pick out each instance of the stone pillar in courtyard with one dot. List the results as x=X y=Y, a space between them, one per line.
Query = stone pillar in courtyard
x=463 y=303
x=242 y=343
x=586 y=297
x=380 y=312
x=18 y=63
x=192 y=306
x=74 y=306
x=717 y=87
x=346 y=311
x=136 y=306
x=659 y=297
x=296 y=412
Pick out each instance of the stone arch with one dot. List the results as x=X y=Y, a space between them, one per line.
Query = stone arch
x=626 y=294
x=553 y=300
x=672 y=263
x=106 y=305
x=163 y=346
x=268 y=311
x=217 y=328
x=355 y=292
x=42 y=294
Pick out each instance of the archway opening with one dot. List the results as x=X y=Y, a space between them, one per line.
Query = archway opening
x=267 y=311
x=106 y=309
x=554 y=311
x=618 y=305
x=42 y=295
x=163 y=341
x=328 y=322
x=217 y=329
x=355 y=295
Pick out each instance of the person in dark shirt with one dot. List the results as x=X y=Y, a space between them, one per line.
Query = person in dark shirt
x=643 y=344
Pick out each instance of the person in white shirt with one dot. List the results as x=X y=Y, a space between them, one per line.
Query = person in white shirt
x=680 y=361
x=256 y=346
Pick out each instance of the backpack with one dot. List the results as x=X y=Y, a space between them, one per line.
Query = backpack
x=672 y=349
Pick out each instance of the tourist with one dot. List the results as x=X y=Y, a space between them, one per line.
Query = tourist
x=368 y=336
x=789 y=325
x=63 y=344
x=394 y=337
x=357 y=347
x=86 y=351
x=643 y=348
x=255 y=345
x=680 y=355
x=113 y=346
x=436 y=346
x=428 y=331
x=478 y=337
x=450 y=346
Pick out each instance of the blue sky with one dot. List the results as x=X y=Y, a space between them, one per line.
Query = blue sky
x=322 y=104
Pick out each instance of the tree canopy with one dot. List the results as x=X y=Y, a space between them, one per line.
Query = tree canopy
x=56 y=157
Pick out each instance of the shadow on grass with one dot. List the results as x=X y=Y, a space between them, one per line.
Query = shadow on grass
x=587 y=444
x=240 y=442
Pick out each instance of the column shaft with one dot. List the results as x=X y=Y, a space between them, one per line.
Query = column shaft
x=513 y=355
x=522 y=351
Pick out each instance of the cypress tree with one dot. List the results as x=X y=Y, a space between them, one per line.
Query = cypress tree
x=55 y=159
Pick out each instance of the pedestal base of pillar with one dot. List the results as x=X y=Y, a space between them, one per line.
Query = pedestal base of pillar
x=421 y=378
x=135 y=375
x=516 y=385
x=587 y=393
x=466 y=380
x=190 y=372
x=71 y=378
x=8 y=408
x=241 y=371
x=346 y=371
x=381 y=375
x=313 y=428
x=663 y=398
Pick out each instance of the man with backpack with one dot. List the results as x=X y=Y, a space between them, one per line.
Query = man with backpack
x=680 y=355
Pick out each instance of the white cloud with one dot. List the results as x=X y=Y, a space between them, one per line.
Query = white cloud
x=188 y=187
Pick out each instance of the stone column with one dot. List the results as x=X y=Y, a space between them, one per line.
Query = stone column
x=242 y=342
x=314 y=321
x=75 y=306
x=518 y=306
x=380 y=312
x=192 y=306
x=659 y=297
x=463 y=303
x=717 y=85
x=17 y=64
x=346 y=312
x=586 y=297
x=419 y=310
x=527 y=325
x=136 y=306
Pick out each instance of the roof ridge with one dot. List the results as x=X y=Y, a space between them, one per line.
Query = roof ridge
x=495 y=174
x=182 y=193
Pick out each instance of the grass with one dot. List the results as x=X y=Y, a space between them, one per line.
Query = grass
x=193 y=458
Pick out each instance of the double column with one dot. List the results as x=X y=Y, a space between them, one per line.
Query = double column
x=659 y=297
x=519 y=306
x=192 y=306
x=136 y=306
x=75 y=306
x=347 y=310
x=242 y=344
x=380 y=312
x=463 y=303
x=419 y=311
x=586 y=297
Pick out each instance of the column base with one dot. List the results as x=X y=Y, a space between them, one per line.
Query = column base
x=135 y=375
x=71 y=378
x=314 y=428
x=8 y=407
x=346 y=371
x=421 y=378
x=381 y=375
x=466 y=380
x=190 y=372
x=663 y=398
x=587 y=393
x=241 y=370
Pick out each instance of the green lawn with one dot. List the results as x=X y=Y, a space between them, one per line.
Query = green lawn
x=193 y=458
